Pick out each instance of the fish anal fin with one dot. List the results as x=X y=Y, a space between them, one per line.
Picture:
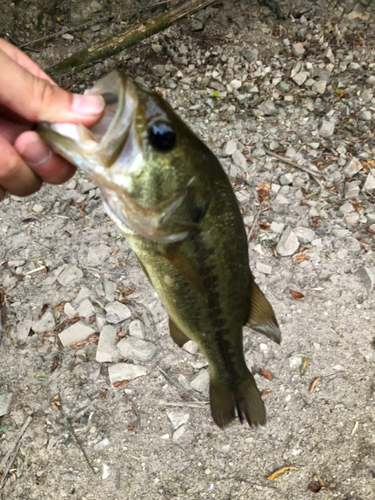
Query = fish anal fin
x=262 y=318
x=187 y=269
x=177 y=335
x=244 y=397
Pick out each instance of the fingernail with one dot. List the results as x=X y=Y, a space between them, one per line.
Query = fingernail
x=87 y=104
x=36 y=153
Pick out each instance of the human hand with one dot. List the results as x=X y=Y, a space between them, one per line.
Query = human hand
x=27 y=97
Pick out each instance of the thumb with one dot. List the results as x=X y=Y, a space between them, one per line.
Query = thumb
x=36 y=99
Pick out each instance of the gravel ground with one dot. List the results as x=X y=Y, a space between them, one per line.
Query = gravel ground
x=288 y=106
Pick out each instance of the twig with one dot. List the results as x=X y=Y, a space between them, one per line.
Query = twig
x=134 y=408
x=66 y=30
x=170 y=379
x=127 y=38
x=314 y=175
x=13 y=452
x=182 y=404
x=80 y=446
x=255 y=221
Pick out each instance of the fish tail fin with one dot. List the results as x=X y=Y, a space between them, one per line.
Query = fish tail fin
x=244 y=397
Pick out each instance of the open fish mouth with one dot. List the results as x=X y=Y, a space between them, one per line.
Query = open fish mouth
x=96 y=149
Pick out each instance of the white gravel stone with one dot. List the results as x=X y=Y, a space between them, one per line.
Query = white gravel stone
x=239 y=159
x=102 y=444
x=191 y=347
x=268 y=108
x=107 y=350
x=23 y=329
x=277 y=227
x=298 y=49
x=83 y=294
x=137 y=329
x=367 y=275
x=98 y=255
x=179 y=432
x=70 y=275
x=125 y=371
x=347 y=208
x=136 y=349
x=286 y=179
x=295 y=361
x=178 y=418
x=369 y=183
x=288 y=243
x=38 y=209
x=86 y=309
x=320 y=86
x=300 y=78
x=352 y=191
x=45 y=324
x=5 y=400
x=353 y=167
x=200 y=381
x=263 y=268
x=351 y=219
x=117 y=312
x=327 y=129
x=304 y=234
x=75 y=333
x=230 y=148
x=69 y=310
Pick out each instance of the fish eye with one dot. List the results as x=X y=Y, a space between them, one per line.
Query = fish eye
x=162 y=136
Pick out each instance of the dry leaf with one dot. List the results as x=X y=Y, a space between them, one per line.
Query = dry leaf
x=44 y=309
x=280 y=472
x=314 y=487
x=159 y=92
x=102 y=394
x=313 y=385
x=363 y=241
x=79 y=344
x=67 y=234
x=264 y=226
x=300 y=257
x=304 y=365
x=120 y=383
x=266 y=373
x=275 y=251
x=130 y=291
x=56 y=403
x=262 y=194
x=297 y=295
x=130 y=427
x=60 y=306
x=55 y=363
x=265 y=392
x=356 y=205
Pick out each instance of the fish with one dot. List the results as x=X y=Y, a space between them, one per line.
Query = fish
x=168 y=193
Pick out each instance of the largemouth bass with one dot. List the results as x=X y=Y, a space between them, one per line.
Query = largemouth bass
x=170 y=196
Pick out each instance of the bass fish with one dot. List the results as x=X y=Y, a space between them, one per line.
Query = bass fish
x=170 y=196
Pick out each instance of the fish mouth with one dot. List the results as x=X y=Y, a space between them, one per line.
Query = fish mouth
x=96 y=149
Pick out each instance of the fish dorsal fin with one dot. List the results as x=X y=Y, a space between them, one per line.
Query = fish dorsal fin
x=187 y=269
x=262 y=318
x=177 y=335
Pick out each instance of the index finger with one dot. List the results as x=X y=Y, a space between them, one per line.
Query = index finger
x=20 y=58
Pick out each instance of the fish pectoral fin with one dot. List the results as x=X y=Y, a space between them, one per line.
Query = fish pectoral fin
x=244 y=397
x=177 y=335
x=187 y=269
x=262 y=318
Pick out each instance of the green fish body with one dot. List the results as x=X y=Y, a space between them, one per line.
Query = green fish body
x=170 y=196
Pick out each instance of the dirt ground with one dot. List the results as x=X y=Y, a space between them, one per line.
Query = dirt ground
x=251 y=86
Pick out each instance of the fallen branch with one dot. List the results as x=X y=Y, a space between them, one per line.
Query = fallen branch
x=13 y=452
x=314 y=175
x=131 y=36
